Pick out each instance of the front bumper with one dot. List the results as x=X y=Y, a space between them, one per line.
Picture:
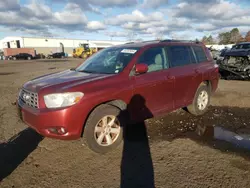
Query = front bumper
x=43 y=120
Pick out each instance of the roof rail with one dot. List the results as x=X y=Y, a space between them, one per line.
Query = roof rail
x=150 y=41
x=143 y=41
x=173 y=40
x=129 y=42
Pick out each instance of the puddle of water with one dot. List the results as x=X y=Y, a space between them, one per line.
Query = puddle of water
x=240 y=140
x=229 y=124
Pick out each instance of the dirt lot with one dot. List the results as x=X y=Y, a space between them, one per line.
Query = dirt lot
x=168 y=154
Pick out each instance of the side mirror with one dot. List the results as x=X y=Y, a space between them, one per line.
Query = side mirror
x=141 y=68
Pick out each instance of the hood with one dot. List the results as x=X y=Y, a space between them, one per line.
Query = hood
x=67 y=78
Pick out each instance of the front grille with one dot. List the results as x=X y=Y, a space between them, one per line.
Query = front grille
x=29 y=98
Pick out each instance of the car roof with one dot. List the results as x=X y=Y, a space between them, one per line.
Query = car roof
x=243 y=43
x=155 y=42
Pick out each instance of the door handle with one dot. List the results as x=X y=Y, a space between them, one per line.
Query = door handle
x=170 y=77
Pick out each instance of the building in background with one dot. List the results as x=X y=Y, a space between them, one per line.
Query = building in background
x=52 y=45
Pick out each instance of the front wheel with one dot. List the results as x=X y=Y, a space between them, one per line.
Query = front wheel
x=103 y=130
x=201 y=101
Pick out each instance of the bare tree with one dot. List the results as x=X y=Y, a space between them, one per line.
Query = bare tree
x=247 y=38
x=235 y=35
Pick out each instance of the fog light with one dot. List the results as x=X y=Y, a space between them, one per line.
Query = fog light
x=62 y=130
x=52 y=130
x=58 y=130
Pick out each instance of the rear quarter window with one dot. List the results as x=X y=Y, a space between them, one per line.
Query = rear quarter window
x=246 y=46
x=200 y=54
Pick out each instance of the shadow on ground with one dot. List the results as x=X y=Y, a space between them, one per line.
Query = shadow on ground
x=136 y=164
x=17 y=149
x=223 y=128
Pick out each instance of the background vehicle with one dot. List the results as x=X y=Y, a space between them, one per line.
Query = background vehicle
x=56 y=55
x=40 y=56
x=84 y=50
x=236 y=62
x=117 y=86
x=21 y=56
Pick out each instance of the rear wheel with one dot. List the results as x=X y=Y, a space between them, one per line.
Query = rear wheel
x=14 y=58
x=103 y=131
x=201 y=101
x=29 y=58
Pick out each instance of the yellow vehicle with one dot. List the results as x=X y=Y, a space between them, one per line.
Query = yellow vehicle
x=84 y=50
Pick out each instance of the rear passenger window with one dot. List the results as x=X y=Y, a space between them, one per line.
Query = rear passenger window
x=180 y=56
x=200 y=54
x=155 y=58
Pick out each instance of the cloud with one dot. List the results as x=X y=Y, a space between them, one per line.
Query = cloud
x=117 y=33
x=136 y=16
x=9 y=5
x=95 y=25
x=154 y=23
x=213 y=9
x=154 y=3
x=150 y=18
x=36 y=10
x=210 y=16
x=113 y=3
x=36 y=18
x=90 y=5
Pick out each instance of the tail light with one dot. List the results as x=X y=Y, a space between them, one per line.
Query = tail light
x=216 y=68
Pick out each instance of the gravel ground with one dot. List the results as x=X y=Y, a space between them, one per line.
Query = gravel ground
x=168 y=154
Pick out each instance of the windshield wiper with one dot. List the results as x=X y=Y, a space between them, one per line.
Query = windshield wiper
x=93 y=72
x=86 y=71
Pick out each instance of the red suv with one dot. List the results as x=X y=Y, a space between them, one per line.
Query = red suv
x=136 y=80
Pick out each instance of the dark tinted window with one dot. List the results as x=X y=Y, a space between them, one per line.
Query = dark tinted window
x=240 y=46
x=192 y=56
x=246 y=46
x=200 y=54
x=155 y=58
x=180 y=55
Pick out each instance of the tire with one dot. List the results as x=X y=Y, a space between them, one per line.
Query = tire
x=95 y=120
x=199 y=108
x=29 y=58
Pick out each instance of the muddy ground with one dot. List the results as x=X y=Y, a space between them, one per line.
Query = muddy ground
x=167 y=154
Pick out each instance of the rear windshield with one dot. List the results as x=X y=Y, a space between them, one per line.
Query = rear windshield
x=108 y=61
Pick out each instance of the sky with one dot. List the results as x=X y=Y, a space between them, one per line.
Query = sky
x=122 y=19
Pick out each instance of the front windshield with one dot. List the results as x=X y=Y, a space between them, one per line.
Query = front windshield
x=108 y=61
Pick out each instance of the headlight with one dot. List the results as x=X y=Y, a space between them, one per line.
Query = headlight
x=58 y=100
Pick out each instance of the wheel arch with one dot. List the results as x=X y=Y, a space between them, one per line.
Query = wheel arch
x=122 y=105
x=207 y=83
